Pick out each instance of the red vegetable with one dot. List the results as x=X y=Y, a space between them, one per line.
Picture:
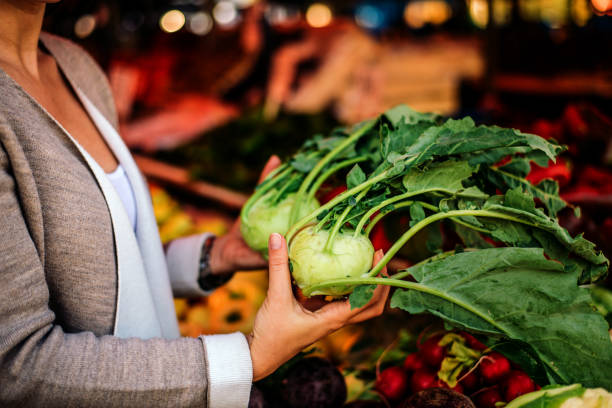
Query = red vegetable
x=423 y=379
x=332 y=193
x=432 y=352
x=413 y=362
x=487 y=398
x=493 y=368
x=472 y=342
x=517 y=384
x=392 y=383
x=470 y=381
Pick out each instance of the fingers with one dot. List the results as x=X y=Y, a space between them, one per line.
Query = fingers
x=376 y=305
x=273 y=162
x=279 y=286
x=340 y=313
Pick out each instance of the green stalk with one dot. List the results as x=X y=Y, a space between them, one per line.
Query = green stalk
x=419 y=288
x=295 y=210
x=263 y=188
x=340 y=221
x=400 y=205
x=340 y=197
x=321 y=223
x=404 y=285
x=431 y=219
x=315 y=187
x=282 y=190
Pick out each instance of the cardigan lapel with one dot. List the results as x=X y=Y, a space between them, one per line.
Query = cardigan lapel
x=146 y=227
x=150 y=252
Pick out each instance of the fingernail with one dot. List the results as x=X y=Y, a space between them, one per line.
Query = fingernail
x=275 y=241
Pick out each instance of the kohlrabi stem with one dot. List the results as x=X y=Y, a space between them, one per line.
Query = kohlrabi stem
x=284 y=188
x=340 y=221
x=431 y=219
x=340 y=197
x=295 y=210
x=321 y=223
x=380 y=216
x=315 y=187
x=263 y=188
x=392 y=200
x=380 y=206
x=405 y=285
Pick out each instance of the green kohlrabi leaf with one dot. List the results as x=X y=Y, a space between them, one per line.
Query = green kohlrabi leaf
x=417 y=213
x=445 y=176
x=516 y=293
x=404 y=113
x=546 y=191
x=304 y=162
x=361 y=296
x=355 y=177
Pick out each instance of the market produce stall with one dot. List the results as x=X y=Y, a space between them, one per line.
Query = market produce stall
x=470 y=141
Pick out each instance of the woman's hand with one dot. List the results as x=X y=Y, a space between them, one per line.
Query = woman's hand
x=230 y=253
x=283 y=327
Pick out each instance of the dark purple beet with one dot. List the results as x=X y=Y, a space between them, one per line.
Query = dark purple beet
x=438 y=398
x=257 y=399
x=314 y=383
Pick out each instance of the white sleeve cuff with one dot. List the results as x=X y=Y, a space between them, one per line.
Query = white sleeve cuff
x=230 y=370
x=183 y=259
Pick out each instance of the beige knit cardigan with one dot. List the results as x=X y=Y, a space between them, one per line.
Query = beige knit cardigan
x=58 y=275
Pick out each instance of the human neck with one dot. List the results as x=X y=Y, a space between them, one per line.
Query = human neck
x=19 y=33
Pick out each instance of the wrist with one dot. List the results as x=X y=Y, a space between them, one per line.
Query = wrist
x=207 y=279
x=217 y=262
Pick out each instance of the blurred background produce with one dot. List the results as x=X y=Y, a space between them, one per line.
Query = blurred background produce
x=206 y=90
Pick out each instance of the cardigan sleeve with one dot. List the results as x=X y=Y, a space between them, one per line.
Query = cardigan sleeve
x=42 y=365
x=183 y=259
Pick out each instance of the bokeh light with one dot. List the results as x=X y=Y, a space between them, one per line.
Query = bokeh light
x=479 y=12
x=172 y=21
x=369 y=16
x=581 y=12
x=419 y=13
x=318 y=15
x=200 y=23
x=225 y=13
x=84 y=26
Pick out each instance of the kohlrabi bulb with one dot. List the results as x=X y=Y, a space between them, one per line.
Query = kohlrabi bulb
x=350 y=256
x=265 y=218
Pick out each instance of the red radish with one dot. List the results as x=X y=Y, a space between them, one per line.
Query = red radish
x=470 y=381
x=413 y=362
x=472 y=342
x=423 y=379
x=392 y=383
x=432 y=352
x=494 y=367
x=487 y=398
x=517 y=384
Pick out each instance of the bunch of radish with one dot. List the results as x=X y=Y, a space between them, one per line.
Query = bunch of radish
x=460 y=362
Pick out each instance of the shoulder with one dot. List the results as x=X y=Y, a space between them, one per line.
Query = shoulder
x=83 y=71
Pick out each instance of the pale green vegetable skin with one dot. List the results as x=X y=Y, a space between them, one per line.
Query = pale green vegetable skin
x=349 y=256
x=570 y=396
x=264 y=219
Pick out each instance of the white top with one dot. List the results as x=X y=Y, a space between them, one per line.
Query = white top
x=126 y=193
x=145 y=306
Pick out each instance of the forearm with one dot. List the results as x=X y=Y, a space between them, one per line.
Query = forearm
x=53 y=368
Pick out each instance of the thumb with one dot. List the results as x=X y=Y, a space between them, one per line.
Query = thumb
x=279 y=276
